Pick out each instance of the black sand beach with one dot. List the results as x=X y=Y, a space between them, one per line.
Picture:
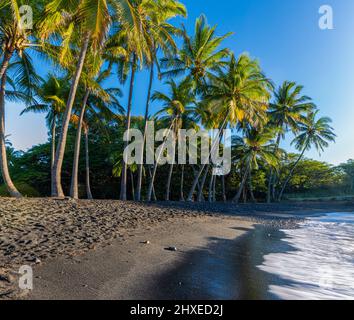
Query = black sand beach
x=98 y=249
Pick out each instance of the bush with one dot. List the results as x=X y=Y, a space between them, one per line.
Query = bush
x=25 y=189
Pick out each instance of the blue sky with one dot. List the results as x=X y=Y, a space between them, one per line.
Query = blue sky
x=285 y=37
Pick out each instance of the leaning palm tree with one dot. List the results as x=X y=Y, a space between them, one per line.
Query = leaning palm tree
x=176 y=112
x=254 y=147
x=15 y=40
x=84 y=25
x=285 y=113
x=312 y=132
x=239 y=92
x=199 y=56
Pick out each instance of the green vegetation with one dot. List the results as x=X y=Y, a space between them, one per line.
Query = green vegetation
x=89 y=42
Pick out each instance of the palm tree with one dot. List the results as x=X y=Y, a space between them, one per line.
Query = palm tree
x=176 y=111
x=99 y=103
x=285 y=113
x=199 y=56
x=161 y=32
x=52 y=94
x=312 y=132
x=254 y=147
x=239 y=92
x=86 y=24
x=14 y=40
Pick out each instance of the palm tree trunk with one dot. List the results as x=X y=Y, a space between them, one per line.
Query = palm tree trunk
x=132 y=183
x=74 y=190
x=290 y=174
x=202 y=183
x=236 y=199
x=168 y=185
x=140 y=168
x=57 y=190
x=250 y=185
x=214 y=189
x=181 y=198
x=3 y=157
x=210 y=194
x=196 y=179
x=5 y=62
x=153 y=188
x=123 y=185
x=87 y=164
x=271 y=181
x=54 y=129
x=151 y=184
x=223 y=188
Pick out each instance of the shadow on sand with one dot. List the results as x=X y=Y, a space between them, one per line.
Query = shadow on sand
x=225 y=269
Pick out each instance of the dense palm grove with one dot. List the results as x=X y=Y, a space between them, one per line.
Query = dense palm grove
x=87 y=43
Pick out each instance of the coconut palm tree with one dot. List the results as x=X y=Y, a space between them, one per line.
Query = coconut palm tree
x=52 y=95
x=256 y=146
x=100 y=104
x=239 y=92
x=312 y=132
x=85 y=24
x=285 y=113
x=176 y=112
x=14 y=41
x=199 y=56
x=161 y=33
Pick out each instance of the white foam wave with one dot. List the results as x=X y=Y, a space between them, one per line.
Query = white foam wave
x=322 y=264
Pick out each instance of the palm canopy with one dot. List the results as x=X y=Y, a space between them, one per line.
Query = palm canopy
x=177 y=104
x=200 y=54
x=255 y=146
x=314 y=132
x=51 y=95
x=240 y=91
x=289 y=107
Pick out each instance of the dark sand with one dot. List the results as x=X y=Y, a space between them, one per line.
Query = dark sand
x=96 y=249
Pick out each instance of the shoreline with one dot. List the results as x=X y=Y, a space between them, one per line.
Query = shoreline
x=55 y=232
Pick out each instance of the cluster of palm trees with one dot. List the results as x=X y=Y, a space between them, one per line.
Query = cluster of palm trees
x=88 y=41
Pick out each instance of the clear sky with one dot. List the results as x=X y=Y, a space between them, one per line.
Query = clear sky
x=284 y=35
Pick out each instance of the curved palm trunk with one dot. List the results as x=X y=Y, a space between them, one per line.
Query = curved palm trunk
x=123 y=184
x=57 y=190
x=181 y=198
x=54 y=129
x=140 y=167
x=237 y=197
x=5 y=63
x=74 y=189
x=87 y=164
x=200 y=196
x=3 y=157
x=290 y=174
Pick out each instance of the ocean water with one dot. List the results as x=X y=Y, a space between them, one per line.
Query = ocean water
x=320 y=264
